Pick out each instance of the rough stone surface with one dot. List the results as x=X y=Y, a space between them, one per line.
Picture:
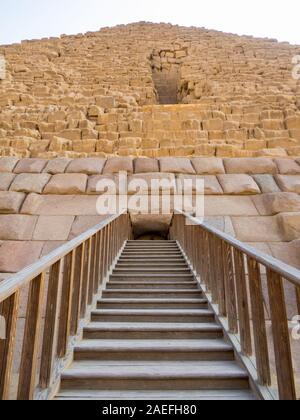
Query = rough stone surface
x=67 y=184
x=143 y=165
x=30 y=166
x=266 y=183
x=7 y=164
x=290 y=224
x=87 y=166
x=116 y=165
x=289 y=183
x=274 y=203
x=208 y=166
x=57 y=166
x=238 y=184
x=10 y=202
x=287 y=167
x=250 y=166
x=6 y=180
x=210 y=185
x=176 y=165
x=30 y=183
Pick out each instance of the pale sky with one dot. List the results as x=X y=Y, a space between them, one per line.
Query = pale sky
x=27 y=19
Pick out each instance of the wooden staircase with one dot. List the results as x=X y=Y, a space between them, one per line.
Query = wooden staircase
x=153 y=336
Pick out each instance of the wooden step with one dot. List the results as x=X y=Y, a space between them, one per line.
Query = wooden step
x=146 y=284
x=152 y=303
x=153 y=350
x=152 y=277
x=154 y=375
x=151 y=293
x=153 y=331
x=152 y=270
x=152 y=315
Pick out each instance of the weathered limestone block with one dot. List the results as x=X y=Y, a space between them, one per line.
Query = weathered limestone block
x=257 y=229
x=30 y=183
x=57 y=166
x=88 y=166
x=83 y=223
x=7 y=164
x=205 y=150
x=144 y=165
x=176 y=165
x=118 y=164
x=213 y=124
x=24 y=254
x=293 y=123
x=100 y=184
x=250 y=166
x=10 y=202
x=290 y=225
x=62 y=205
x=287 y=252
x=69 y=184
x=155 y=183
x=287 y=167
x=17 y=227
x=105 y=101
x=208 y=166
x=59 y=144
x=30 y=166
x=289 y=183
x=274 y=203
x=6 y=180
x=229 y=206
x=211 y=185
x=238 y=184
x=53 y=228
x=266 y=183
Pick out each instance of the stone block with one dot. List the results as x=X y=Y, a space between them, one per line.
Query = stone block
x=155 y=183
x=250 y=166
x=30 y=183
x=118 y=164
x=6 y=180
x=274 y=203
x=213 y=124
x=57 y=166
x=30 y=166
x=7 y=164
x=100 y=184
x=144 y=165
x=289 y=183
x=238 y=184
x=53 y=228
x=287 y=252
x=17 y=227
x=105 y=101
x=257 y=229
x=293 y=123
x=208 y=166
x=88 y=166
x=24 y=254
x=266 y=183
x=290 y=225
x=60 y=205
x=287 y=167
x=10 y=202
x=229 y=206
x=211 y=184
x=176 y=165
x=84 y=223
x=69 y=184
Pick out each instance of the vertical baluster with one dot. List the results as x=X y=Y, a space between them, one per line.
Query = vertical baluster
x=207 y=262
x=85 y=278
x=282 y=346
x=104 y=253
x=92 y=269
x=97 y=263
x=212 y=268
x=220 y=277
x=29 y=359
x=77 y=286
x=230 y=289
x=9 y=312
x=243 y=305
x=50 y=326
x=66 y=305
x=259 y=324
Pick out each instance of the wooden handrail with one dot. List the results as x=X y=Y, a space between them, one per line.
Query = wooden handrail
x=61 y=290
x=233 y=275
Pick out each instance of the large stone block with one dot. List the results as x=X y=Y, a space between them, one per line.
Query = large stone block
x=274 y=203
x=53 y=228
x=238 y=184
x=257 y=229
x=67 y=184
x=6 y=180
x=30 y=166
x=17 y=227
x=266 y=183
x=88 y=166
x=250 y=166
x=60 y=205
x=176 y=165
x=30 y=183
x=118 y=164
x=144 y=165
x=57 y=166
x=7 y=164
x=293 y=123
x=10 y=202
x=84 y=223
x=208 y=166
x=229 y=206
x=24 y=254
x=287 y=167
x=290 y=225
x=155 y=183
x=210 y=186
x=289 y=183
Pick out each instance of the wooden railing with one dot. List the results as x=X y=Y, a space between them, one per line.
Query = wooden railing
x=244 y=285
x=61 y=290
